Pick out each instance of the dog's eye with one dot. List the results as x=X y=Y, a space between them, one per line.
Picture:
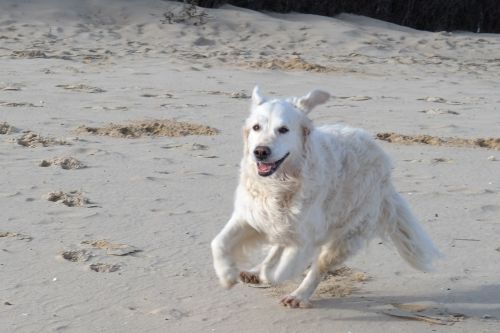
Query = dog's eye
x=256 y=127
x=283 y=130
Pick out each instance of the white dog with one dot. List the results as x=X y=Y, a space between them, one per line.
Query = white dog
x=315 y=195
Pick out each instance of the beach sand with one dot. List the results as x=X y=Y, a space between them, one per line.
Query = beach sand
x=120 y=138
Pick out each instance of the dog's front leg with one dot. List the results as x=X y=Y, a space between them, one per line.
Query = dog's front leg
x=261 y=272
x=225 y=245
x=293 y=261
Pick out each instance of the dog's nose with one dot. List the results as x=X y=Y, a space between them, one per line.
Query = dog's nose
x=262 y=152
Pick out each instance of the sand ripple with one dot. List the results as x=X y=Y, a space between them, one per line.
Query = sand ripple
x=489 y=143
x=150 y=128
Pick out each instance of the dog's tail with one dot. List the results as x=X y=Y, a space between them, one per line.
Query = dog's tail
x=410 y=239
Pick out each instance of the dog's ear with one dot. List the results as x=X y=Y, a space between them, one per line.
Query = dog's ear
x=257 y=97
x=308 y=102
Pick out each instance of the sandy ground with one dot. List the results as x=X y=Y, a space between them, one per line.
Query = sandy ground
x=108 y=203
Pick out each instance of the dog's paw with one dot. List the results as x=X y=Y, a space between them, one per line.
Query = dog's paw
x=228 y=279
x=293 y=301
x=249 y=277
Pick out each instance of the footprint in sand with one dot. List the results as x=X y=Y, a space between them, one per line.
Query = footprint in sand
x=104 y=268
x=81 y=88
x=429 y=313
x=67 y=163
x=15 y=235
x=19 y=104
x=239 y=95
x=192 y=147
x=28 y=54
x=235 y=94
x=113 y=249
x=358 y=98
x=291 y=64
x=5 y=128
x=76 y=255
x=149 y=95
x=434 y=99
x=441 y=160
x=33 y=140
x=106 y=108
x=170 y=313
x=71 y=199
x=490 y=209
x=9 y=87
x=439 y=111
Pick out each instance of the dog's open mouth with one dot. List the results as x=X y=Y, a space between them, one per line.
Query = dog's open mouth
x=267 y=169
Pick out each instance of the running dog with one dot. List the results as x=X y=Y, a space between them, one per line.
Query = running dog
x=315 y=196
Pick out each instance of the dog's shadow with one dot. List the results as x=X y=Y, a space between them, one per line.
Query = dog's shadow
x=480 y=303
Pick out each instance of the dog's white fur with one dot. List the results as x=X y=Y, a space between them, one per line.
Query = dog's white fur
x=329 y=197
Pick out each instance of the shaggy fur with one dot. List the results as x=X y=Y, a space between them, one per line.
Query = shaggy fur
x=330 y=195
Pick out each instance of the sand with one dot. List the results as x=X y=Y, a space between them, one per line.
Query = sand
x=123 y=243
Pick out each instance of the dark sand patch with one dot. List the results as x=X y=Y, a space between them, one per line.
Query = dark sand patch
x=290 y=64
x=71 y=199
x=67 y=163
x=170 y=128
x=489 y=143
x=81 y=88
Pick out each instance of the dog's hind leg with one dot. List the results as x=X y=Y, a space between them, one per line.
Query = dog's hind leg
x=331 y=256
x=227 y=245
x=260 y=273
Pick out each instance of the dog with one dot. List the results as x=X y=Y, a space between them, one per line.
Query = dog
x=314 y=196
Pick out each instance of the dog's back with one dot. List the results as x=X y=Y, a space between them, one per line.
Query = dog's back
x=361 y=200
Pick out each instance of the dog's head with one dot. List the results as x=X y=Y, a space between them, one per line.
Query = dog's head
x=276 y=131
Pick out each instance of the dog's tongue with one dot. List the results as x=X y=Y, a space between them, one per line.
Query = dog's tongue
x=264 y=167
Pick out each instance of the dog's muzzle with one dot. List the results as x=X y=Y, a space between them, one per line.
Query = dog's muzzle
x=266 y=169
